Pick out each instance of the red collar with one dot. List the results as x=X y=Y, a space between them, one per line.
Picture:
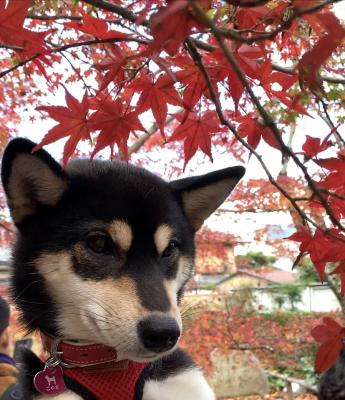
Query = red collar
x=75 y=355
x=102 y=375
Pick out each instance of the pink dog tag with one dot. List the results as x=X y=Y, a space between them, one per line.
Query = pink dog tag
x=50 y=380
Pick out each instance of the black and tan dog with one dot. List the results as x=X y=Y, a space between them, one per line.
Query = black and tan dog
x=103 y=253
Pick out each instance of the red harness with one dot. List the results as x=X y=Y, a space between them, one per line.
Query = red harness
x=96 y=369
x=118 y=384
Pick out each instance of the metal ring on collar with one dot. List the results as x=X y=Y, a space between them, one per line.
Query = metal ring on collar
x=56 y=356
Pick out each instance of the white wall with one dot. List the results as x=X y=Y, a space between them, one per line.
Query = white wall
x=319 y=298
x=316 y=298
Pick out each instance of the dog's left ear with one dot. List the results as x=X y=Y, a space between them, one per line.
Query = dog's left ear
x=30 y=179
x=202 y=195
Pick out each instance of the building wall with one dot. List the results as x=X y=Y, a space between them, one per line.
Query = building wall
x=315 y=298
x=240 y=281
x=319 y=298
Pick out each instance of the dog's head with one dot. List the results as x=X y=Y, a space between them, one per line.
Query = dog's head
x=105 y=249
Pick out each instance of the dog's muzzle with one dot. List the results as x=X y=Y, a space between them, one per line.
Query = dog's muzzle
x=158 y=334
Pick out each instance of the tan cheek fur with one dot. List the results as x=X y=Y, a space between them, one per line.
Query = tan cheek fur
x=113 y=304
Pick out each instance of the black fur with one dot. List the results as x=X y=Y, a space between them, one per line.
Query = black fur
x=332 y=382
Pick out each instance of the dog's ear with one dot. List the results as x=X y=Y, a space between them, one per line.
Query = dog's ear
x=30 y=179
x=202 y=195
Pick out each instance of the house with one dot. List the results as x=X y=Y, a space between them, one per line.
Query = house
x=5 y=265
x=316 y=297
x=215 y=258
x=261 y=278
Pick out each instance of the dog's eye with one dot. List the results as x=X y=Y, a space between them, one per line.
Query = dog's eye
x=99 y=243
x=171 y=249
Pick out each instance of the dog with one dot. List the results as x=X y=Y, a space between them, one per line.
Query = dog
x=103 y=253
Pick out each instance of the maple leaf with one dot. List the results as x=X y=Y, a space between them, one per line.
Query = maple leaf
x=171 y=25
x=155 y=95
x=336 y=179
x=253 y=130
x=331 y=335
x=12 y=16
x=114 y=67
x=247 y=57
x=95 y=27
x=115 y=123
x=313 y=146
x=303 y=236
x=248 y=17
x=312 y=60
x=196 y=132
x=340 y=269
x=194 y=81
x=73 y=122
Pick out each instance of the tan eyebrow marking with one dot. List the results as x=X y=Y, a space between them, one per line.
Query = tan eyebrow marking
x=121 y=233
x=162 y=237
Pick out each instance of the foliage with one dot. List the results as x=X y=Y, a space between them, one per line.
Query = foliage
x=205 y=76
x=243 y=297
x=306 y=272
x=255 y=259
x=214 y=251
x=281 y=340
x=290 y=292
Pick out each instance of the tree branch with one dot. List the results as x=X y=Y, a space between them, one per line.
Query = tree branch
x=54 y=17
x=265 y=116
x=105 y=5
x=10 y=47
x=247 y=3
x=198 y=60
x=143 y=138
x=70 y=46
x=292 y=71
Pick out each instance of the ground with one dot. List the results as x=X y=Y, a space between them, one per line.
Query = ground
x=275 y=396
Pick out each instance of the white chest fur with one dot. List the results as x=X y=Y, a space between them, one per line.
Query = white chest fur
x=188 y=385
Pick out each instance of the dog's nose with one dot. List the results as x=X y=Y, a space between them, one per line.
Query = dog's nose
x=158 y=333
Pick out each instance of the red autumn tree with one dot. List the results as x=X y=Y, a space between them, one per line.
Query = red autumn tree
x=182 y=77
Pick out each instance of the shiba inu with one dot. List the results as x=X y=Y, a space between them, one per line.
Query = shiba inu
x=103 y=253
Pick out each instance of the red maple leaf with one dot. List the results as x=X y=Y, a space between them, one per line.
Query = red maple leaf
x=95 y=27
x=194 y=81
x=12 y=16
x=114 y=67
x=196 y=132
x=253 y=130
x=314 y=146
x=155 y=95
x=115 y=123
x=12 y=19
x=73 y=122
x=340 y=270
x=248 y=58
x=172 y=24
x=249 y=17
x=331 y=335
x=312 y=60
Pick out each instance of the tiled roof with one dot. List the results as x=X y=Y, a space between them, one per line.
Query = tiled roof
x=276 y=277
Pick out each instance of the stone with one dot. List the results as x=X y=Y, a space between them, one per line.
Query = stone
x=238 y=373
